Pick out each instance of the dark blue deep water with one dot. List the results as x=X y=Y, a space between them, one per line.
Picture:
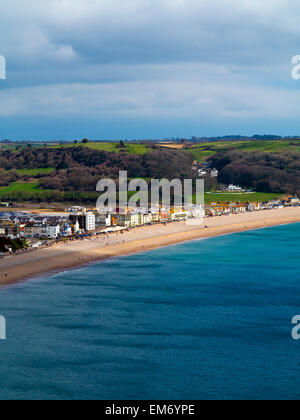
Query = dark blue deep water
x=204 y=320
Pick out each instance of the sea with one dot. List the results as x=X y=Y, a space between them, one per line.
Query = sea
x=209 y=319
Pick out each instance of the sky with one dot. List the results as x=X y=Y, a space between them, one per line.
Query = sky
x=137 y=69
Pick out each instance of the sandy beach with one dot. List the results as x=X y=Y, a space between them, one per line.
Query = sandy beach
x=74 y=254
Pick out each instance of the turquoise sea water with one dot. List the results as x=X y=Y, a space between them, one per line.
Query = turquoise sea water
x=209 y=319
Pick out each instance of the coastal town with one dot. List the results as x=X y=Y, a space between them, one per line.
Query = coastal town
x=22 y=231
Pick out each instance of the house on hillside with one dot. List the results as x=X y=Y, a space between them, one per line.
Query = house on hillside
x=214 y=173
x=233 y=188
x=202 y=172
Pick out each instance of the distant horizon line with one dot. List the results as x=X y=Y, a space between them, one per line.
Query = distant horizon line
x=192 y=139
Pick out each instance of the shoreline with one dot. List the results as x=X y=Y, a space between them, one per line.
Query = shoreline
x=63 y=257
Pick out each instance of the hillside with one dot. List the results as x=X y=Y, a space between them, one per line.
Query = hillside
x=69 y=172
x=205 y=150
x=72 y=173
x=261 y=171
x=113 y=147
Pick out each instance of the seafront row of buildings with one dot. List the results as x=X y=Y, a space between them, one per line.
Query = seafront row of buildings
x=38 y=229
x=80 y=221
x=221 y=209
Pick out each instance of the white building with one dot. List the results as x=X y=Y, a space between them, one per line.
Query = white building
x=53 y=231
x=76 y=228
x=130 y=220
x=254 y=206
x=87 y=221
x=90 y=221
x=147 y=218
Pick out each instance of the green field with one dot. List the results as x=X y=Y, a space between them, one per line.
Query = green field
x=131 y=148
x=26 y=189
x=200 y=151
x=35 y=172
x=205 y=150
x=20 y=187
x=113 y=147
x=11 y=147
x=242 y=198
x=30 y=191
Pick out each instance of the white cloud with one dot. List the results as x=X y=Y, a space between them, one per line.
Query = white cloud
x=146 y=31
x=180 y=99
x=173 y=58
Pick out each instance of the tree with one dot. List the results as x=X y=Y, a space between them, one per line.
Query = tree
x=63 y=164
x=85 y=141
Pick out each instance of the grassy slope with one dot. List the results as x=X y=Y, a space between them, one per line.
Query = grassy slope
x=20 y=187
x=35 y=172
x=32 y=188
x=131 y=148
x=205 y=150
x=242 y=198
